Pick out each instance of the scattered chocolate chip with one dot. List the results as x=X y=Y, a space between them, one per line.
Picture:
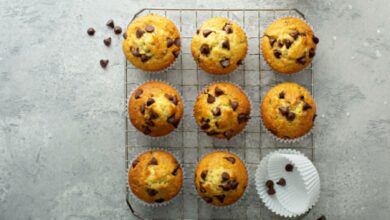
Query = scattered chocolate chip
x=243 y=117
x=312 y=52
x=210 y=99
x=124 y=35
x=281 y=182
x=290 y=116
x=138 y=93
x=269 y=183
x=228 y=134
x=225 y=176
x=302 y=60
x=306 y=106
x=153 y=114
x=216 y=111
x=302 y=97
x=314 y=117
x=135 y=52
x=142 y=108
x=203 y=120
x=146 y=129
x=212 y=133
x=205 y=126
x=226 y=44
x=107 y=41
x=172 y=120
x=289 y=167
x=282 y=94
x=271 y=191
x=202 y=189
x=208 y=199
x=197 y=31
x=145 y=58
x=233 y=184
x=139 y=33
x=177 y=42
x=225 y=62
x=110 y=23
x=277 y=54
x=170 y=42
x=220 y=197
x=316 y=40
x=233 y=104
x=322 y=217
x=159 y=200
x=287 y=42
x=280 y=44
x=172 y=98
x=216 y=124
x=135 y=162
x=150 y=101
x=239 y=62
x=294 y=34
x=151 y=192
x=230 y=159
x=228 y=28
x=176 y=53
x=203 y=174
x=91 y=31
x=218 y=92
x=149 y=28
x=284 y=111
x=153 y=161
x=205 y=49
x=225 y=187
x=271 y=41
x=174 y=172
x=117 y=30
x=206 y=33
x=104 y=63
x=149 y=122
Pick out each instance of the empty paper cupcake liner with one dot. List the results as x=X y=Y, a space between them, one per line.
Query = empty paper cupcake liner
x=153 y=205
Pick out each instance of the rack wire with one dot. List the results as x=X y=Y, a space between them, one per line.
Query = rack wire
x=188 y=143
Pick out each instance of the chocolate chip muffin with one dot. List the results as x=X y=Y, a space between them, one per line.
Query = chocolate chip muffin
x=155 y=108
x=152 y=43
x=288 y=111
x=155 y=176
x=288 y=45
x=221 y=178
x=219 y=46
x=222 y=110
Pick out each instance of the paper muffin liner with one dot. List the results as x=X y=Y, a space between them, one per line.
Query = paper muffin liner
x=261 y=48
x=236 y=203
x=154 y=205
x=293 y=199
x=250 y=108
x=127 y=108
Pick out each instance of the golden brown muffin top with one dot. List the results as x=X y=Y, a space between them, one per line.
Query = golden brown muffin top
x=152 y=42
x=219 y=46
x=288 y=110
x=221 y=178
x=222 y=110
x=289 y=45
x=155 y=176
x=155 y=108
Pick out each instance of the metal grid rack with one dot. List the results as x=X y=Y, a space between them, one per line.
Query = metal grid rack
x=188 y=143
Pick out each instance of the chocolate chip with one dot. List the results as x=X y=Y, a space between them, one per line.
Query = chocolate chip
x=197 y=31
x=225 y=187
x=150 y=101
x=225 y=176
x=212 y=133
x=269 y=183
x=302 y=97
x=287 y=42
x=280 y=44
x=124 y=35
x=230 y=159
x=284 y=111
x=146 y=129
x=151 y=192
x=206 y=33
x=176 y=53
x=139 y=33
x=281 y=182
x=153 y=161
x=302 y=60
x=208 y=199
x=149 y=122
x=203 y=120
x=135 y=52
x=322 y=217
x=218 y=92
x=294 y=34
x=145 y=58
x=172 y=120
x=290 y=116
x=216 y=111
x=239 y=62
x=117 y=30
x=107 y=41
x=233 y=184
x=225 y=62
x=138 y=93
x=210 y=99
x=203 y=174
x=312 y=52
x=170 y=42
x=91 y=31
x=153 y=114
x=289 y=167
x=159 y=200
x=316 y=40
x=205 y=49
x=314 y=117
x=174 y=172
x=220 y=197
x=149 y=28
x=271 y=41
x=142 y=108
x=228 y=28
x=205 y=126
x=306 y=106
x=271 y=191
x=135 y=162
x=228 y=134
x=104 y=63
x=202 y=189
x=171 y=98
x=177 y=42
x=282 y=94
x=277 y=54
x=233 y=104
x=110 y=23
x=243 y=117
x=226 y=44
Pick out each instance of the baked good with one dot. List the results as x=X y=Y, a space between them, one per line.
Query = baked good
x=155 y=176
x=155 y=108
x=222 y=110
x=152 y=43
x=219 y=46
x=288 y=45
x=221 y=178
x=288 y=110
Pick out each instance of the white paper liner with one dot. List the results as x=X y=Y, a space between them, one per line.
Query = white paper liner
x=250 y=108
x=236 y=203
x=261 y=49
x=284 y=201
x=128 y=100
x=154 y=205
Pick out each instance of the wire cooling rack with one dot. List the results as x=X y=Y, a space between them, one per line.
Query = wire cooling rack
x=188 y=143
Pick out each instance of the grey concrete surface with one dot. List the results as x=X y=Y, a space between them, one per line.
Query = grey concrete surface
x=61 y=115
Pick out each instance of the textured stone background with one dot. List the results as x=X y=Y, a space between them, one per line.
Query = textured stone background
x=61 y=115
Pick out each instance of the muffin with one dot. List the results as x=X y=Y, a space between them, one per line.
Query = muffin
x=288 y=111
x=155 y=176
x=155 y=108
x=288 y=45
x=152 y=43
x=219 y=46
x=222 y=110
x=221 y=178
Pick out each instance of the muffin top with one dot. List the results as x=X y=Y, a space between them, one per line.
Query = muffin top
x=222 y=110
x=155 y=176
x=155 y=108
x=152 y=43
x=219 y=46
x=288 y=110
x=221 y=178
x=288 y=45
